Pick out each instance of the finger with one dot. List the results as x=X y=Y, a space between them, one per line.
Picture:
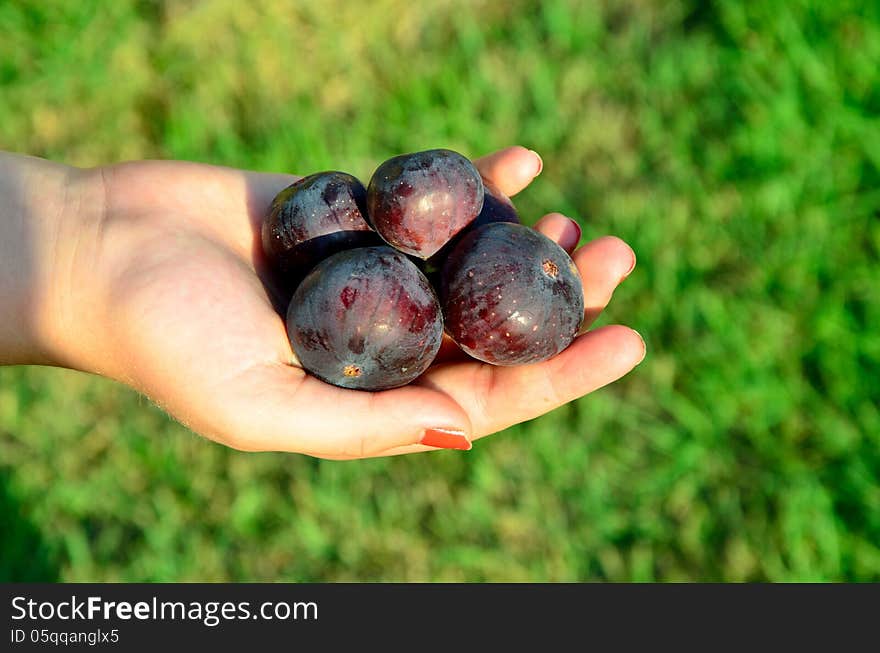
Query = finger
x=409 y=448
x=573 y=392
x=280 y=408
x=449 y=351
x=603 y=263
x=497 y=397
x=260 y=188
x=510 y=169
x=560 y=229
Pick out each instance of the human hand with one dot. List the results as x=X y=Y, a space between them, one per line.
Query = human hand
x=166 y=290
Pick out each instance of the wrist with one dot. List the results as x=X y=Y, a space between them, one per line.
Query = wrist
x=46 y=213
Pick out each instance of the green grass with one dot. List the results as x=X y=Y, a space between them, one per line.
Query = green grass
x=736 y=146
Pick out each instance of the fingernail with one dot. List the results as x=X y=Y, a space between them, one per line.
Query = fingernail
x=644 y=346
x=446 y=439
x=578 y=227
x=540 y=162
x=632 y=266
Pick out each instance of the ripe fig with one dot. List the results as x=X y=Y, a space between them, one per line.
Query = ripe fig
x=313 y=218
x=510 y=295
x=497 y=207
x=365 y=319
x=418 y=202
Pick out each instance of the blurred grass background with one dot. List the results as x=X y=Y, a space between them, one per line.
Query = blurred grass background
x=736 y=146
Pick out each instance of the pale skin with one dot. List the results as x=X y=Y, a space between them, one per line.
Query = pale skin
x=150 y=273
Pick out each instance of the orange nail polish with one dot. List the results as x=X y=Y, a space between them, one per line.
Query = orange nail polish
x=446 y=439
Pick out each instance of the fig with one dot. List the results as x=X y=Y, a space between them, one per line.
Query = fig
x=418 y=202
x=312 y=219
x=510 y=295
x=365 y=319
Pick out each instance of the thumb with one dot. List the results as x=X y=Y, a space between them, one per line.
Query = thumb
x=287 y=410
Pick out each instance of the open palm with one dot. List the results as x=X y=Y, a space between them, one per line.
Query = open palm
x=193 y=323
